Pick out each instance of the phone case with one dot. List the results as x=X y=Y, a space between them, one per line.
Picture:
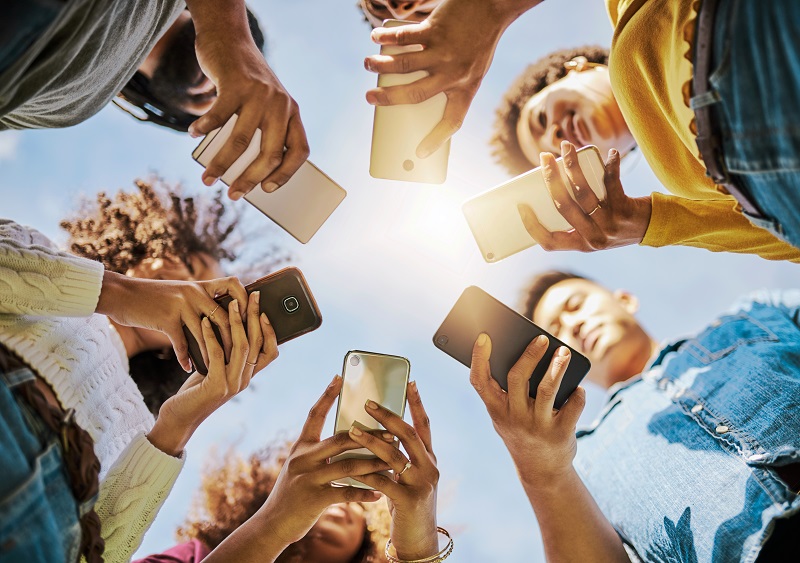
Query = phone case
x=398 y=130
x=494 y=219
x=475 y=312
x=300 y=207
x=391 y=367
x=285 y=298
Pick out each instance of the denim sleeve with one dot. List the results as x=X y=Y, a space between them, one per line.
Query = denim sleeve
x=787 y=300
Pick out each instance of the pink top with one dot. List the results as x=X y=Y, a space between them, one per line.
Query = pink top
x=190 y=552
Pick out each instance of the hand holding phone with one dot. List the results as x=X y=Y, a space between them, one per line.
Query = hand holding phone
x=287 y=301
x=494 y=216
x=477 y=312
x=368 y=376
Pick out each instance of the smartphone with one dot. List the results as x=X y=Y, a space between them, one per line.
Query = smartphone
x=299 y=207
x=285 y=298
x=475 y=312
x=493 y=216
x=368 y=376
x=398 y=130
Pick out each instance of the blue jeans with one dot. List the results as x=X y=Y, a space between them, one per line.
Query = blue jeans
x=757 y=78
x=39 y=517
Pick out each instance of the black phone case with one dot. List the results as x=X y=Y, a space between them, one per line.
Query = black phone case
x=275 y=289
x=475 y=312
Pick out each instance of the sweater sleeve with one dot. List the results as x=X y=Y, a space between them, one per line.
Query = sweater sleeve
x=715 y=225
x=131 y=496
x=38 y=279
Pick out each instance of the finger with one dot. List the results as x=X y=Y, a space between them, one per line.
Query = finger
x=219 y=114
x=402 y=63
x=584 y=195
x=348 y=468
x=568 y=207
x=228 y=286
x=382 y=483
x=195 y=328
x=273 y=139
x=391 y=455
x=520 y=375
x=549 y=242
x=269 y=350
x=414 y=93
x=480 y=375
x=406 y=433
x=336 y=495
x=316 y=416
x=255 y=336
x=548 y=387
x=296 y=154
x=615 y=195
x=414 y=34
x=572 y=409
x=220 y=318
x=454 y=113
x=418 y=415
x=216 y=356
x=246 y=125
x=239 y=350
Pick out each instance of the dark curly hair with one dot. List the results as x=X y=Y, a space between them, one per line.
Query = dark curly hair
x=234 y=488
x=157 y=221
x=539 y=286
x=550 y=68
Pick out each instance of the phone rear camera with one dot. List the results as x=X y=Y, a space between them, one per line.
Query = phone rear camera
x=490 y=256
x=355 y=360
x=291 y=304
x=408 y=165
x=442 y=340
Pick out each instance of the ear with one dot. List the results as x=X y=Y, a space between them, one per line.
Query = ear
x=627 y=300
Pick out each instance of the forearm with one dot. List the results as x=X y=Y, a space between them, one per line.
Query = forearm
x=509 y=10
x=219 y=17
x=253 y=541
x=572 y=526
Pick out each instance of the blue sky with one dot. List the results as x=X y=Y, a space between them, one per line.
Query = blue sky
x=390 y=262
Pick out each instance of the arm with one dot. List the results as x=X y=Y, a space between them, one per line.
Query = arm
x=248 y=87
x=459 y=39
x=542 y=444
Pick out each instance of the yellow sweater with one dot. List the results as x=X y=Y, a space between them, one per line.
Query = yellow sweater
x=651 y=73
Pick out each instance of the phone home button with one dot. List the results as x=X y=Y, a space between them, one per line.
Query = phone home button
x=291 y=304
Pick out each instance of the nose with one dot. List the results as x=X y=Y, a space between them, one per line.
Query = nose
x=400 y=9
x=571 y=325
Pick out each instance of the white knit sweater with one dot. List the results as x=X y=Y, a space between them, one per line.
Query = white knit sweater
x=47 y=303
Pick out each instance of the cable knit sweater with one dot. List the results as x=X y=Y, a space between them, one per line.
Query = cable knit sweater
x=47 y=303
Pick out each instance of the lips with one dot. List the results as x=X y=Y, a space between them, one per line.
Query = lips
x=591 y=338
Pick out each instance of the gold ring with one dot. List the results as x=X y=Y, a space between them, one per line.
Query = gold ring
x=250 y=363
x=211 y=316
x=405 y=468
x=595 y=209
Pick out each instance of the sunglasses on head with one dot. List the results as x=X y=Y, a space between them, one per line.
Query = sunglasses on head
x=136 y=100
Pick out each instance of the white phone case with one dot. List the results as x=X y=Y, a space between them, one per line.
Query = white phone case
x=299 y=207
x=398 y=130
x=494 y=218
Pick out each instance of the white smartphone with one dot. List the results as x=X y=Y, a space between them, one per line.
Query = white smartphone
x=494 y=218
x=300 y=207
x=368 y=376
x=398 y=130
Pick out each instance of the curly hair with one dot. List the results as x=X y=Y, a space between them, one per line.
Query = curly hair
x=539 y=286
x=550 y=68
x=234 y=488
x=156 y=221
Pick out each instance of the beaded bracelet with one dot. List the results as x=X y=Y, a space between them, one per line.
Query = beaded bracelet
x=441 y=556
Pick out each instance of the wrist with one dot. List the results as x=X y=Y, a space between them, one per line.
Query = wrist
x=169 y=438
x=640 y=218
x=111 y=293
x=507 y=11
x=421 y=543
x=547 y=483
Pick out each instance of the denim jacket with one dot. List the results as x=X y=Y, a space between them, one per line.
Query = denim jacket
x=681 y=459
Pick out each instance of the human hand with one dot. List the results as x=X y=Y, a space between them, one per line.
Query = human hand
x=167 y=305
x=200 y=395
x=619 y=220
x=541 y=441
x=303 y=489
x=247 y=86
x=412 y=493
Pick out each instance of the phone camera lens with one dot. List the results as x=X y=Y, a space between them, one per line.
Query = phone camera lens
x=291 y=304
x=442 y=340
x=355 y=360
x=408 y=165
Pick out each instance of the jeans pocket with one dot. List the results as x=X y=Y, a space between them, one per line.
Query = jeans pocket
x=727 y=334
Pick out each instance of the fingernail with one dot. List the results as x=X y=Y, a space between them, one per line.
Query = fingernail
x=372 y=405
x=541 y=340
x=522 y=209
x=423 y=152
x=372 y=99
x=376 y=495
x=543 y=158
x=193 y=132
x=613 y=152
x=355 y=431
x=235 y=305
x=414 y=386
x=206 y=322
x=236 y=196
x=367 y=64
x=210 y=180
x=482 y=338
x=336 y=379
x=266 y=320
x=563 y=351
x=388 y=436
x=255 y=296
x=269 y=187
x=566 y=147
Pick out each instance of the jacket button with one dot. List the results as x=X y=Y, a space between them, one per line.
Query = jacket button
x=756 y=457
x=722 y=429
x=696 y=409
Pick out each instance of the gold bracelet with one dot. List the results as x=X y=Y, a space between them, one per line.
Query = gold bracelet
x=441 y=556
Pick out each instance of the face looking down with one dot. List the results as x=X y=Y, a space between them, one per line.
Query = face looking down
x=410 y=10
x=337 y=535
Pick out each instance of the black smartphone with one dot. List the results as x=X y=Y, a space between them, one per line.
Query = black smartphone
x=475 y=312
x=285 y=298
